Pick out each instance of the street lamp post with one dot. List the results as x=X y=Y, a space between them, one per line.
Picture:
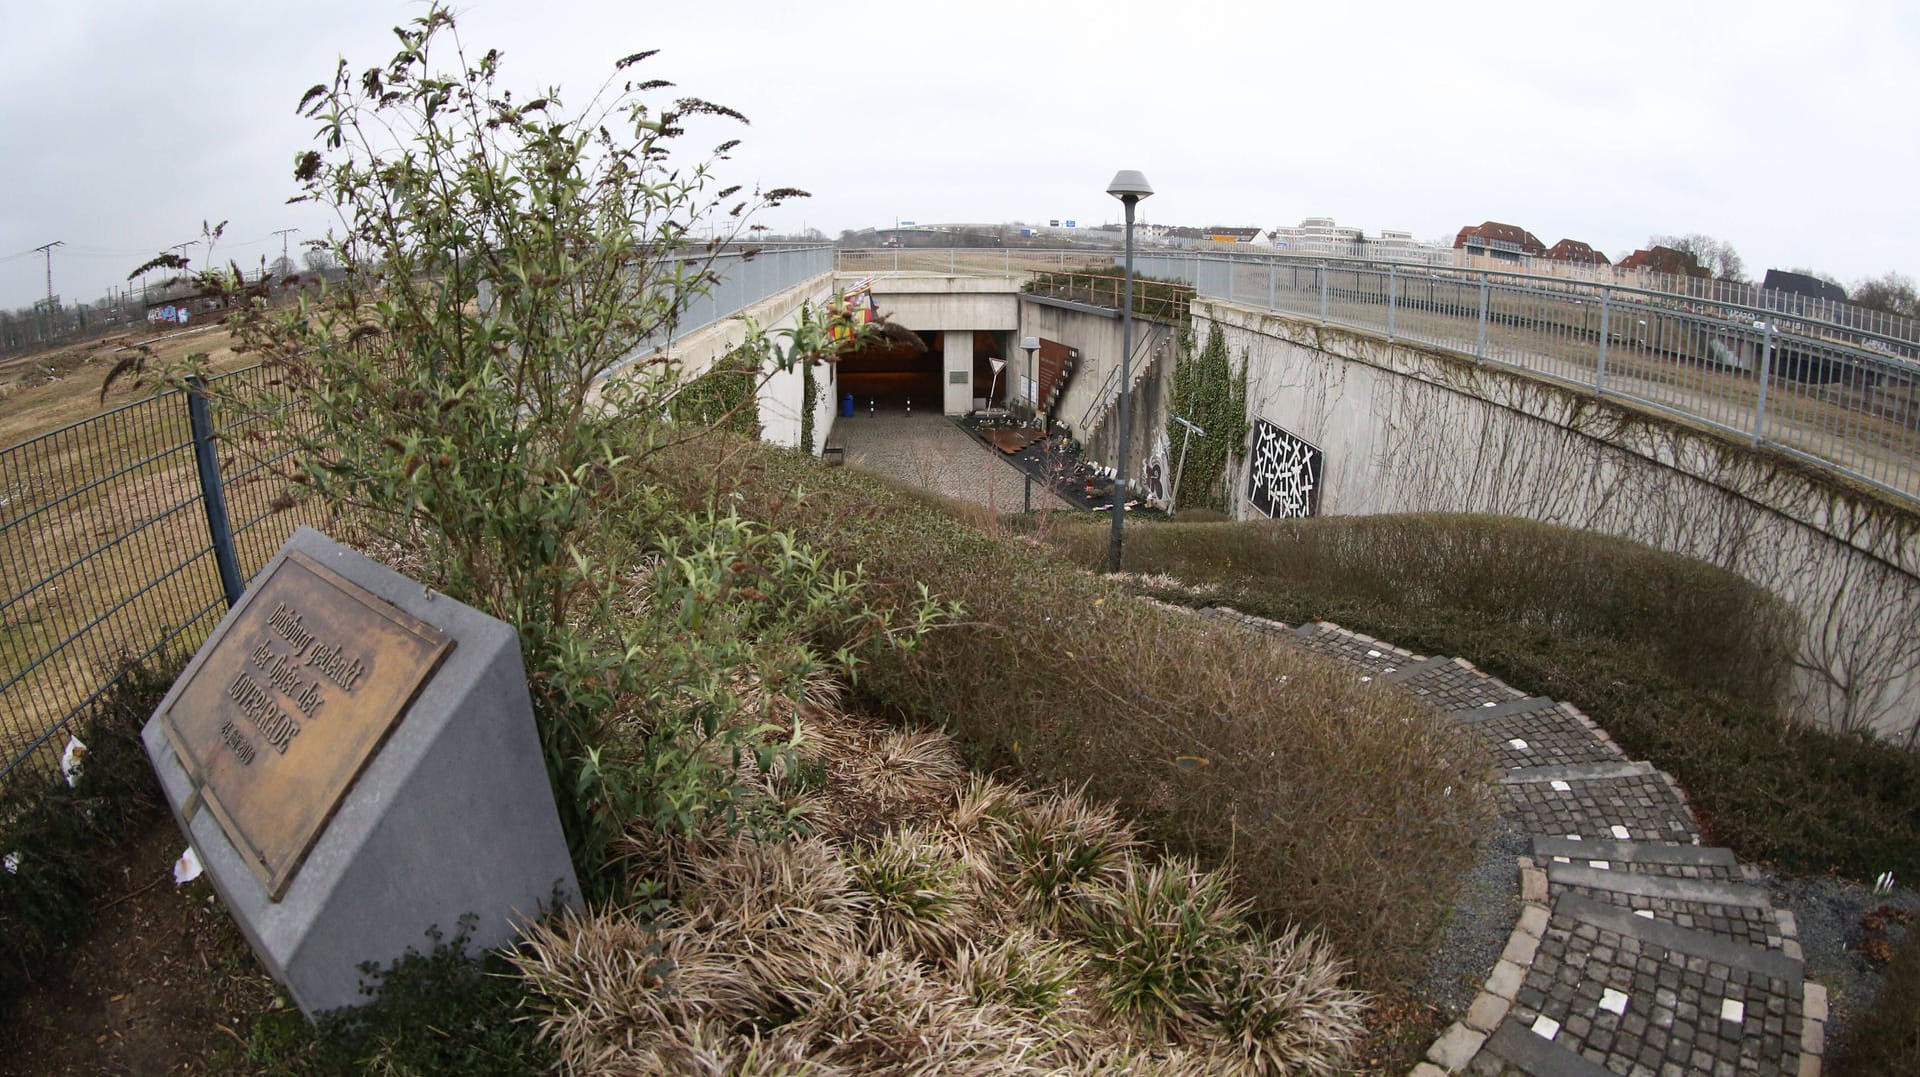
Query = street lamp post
x=1129 y=187
x=1030 y=345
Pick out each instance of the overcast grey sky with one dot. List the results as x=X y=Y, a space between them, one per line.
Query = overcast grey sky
x=1784 y=128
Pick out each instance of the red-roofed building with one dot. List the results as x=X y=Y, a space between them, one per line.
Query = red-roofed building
x=1508 y=241
x=1577 y=253
x=1665 y=260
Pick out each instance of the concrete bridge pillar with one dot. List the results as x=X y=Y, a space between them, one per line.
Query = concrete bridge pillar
x=958 y=372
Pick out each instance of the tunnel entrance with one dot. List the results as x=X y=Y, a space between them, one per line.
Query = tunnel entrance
x=889 y=374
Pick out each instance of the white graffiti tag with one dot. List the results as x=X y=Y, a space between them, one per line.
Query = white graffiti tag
x=1284 y=473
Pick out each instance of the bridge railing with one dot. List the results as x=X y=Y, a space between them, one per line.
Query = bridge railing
x=1830 y=394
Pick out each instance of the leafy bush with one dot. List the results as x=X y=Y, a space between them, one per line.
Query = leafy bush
x=442 y=1011
x=1210 y=393
x=469 y=392
x=1885 y=1040
x=1343 y=807
x=60 y=839
x=1680 y=661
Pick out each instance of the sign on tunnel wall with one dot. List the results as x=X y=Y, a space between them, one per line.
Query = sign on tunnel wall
x=1283 y=473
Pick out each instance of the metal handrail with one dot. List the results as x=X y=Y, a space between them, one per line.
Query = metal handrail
x=1109 y=391
x=1767 y=379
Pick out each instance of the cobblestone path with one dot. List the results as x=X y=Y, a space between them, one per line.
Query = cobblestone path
x=1638 y=951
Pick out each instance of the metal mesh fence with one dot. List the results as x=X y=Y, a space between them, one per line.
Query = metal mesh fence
x=108 y=558
x=114 y=530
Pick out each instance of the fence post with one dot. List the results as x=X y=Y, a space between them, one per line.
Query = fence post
x=213 y=496
x=1323 y=293
x=1393 y=287
x=1480 y=349
x=1766 y=376
x=1271 y=304
x=1600 y=372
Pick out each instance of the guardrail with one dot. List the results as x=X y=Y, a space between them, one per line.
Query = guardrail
x=1830 y=394
x=1151 y=299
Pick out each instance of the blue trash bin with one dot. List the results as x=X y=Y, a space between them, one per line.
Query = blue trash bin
x=846 y=406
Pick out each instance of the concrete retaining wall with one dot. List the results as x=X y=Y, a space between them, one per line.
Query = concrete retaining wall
x=1407 y=428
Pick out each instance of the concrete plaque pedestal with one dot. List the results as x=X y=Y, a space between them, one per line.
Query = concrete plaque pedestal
x=452 y=815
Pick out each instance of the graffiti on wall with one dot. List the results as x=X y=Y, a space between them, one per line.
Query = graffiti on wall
x=1283 y=473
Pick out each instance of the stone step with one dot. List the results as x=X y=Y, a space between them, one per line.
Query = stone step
x=1625 y=992
x=1645 y=857
x=1597 y=873
x=1621 y=801
x=1372 y=657
x=1521 y=706
x=1452 y=684
x=1515 y=1049
x=1229 y=615
x=1730 y=910
x=1539 y=732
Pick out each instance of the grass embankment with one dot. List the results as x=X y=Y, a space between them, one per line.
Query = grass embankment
x=1341 y=807
x=1680 y=661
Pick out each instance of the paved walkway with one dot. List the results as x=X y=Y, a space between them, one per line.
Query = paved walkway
x=1638 y=951
x=928 y=451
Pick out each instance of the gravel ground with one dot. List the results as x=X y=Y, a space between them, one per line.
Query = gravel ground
x=1830 y=915
x=1477 y=929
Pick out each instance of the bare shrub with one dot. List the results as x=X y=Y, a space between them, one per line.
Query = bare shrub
x=1346 y=808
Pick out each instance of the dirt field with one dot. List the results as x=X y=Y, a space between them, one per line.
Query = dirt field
x=163 y=983
x=51 y=389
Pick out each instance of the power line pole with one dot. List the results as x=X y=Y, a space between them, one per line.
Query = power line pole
x=47 y=249
x=282 y=233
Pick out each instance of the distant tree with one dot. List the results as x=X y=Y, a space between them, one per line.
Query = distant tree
x=282 y=268
x=1890 y=293
x=1716 y=256
x=319 y=260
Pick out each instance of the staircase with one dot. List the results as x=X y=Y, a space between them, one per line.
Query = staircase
x=1150 y=347
x=1638 y=950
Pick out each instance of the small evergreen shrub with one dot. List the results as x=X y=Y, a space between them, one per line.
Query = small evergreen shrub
x=60 y=839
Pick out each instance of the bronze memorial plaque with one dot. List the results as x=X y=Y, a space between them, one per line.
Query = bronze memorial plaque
x=290 y=703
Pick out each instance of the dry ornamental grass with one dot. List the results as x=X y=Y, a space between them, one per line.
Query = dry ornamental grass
x=935 y=946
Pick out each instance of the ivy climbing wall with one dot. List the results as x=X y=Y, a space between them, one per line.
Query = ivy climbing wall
x=1404 y=428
